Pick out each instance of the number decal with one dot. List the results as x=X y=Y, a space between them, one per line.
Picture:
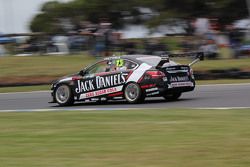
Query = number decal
x=120 y=63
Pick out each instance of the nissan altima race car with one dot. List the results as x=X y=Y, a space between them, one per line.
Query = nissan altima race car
x=129 y=77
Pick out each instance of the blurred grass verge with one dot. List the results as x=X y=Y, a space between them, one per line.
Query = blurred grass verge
x=140 y=138
x=24 y=88
x=43 y=65
x=44 y=69
x=221 y=64
x=62 y=65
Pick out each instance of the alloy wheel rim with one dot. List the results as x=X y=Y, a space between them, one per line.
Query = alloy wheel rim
x=132 y=92
x=62 y=94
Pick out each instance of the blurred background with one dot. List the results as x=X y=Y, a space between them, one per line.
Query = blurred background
x=43 y=39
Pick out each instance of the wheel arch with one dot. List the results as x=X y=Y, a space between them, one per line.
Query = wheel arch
x=68 y=83
x=70 y=100
x=124 y=86
x=141 y=96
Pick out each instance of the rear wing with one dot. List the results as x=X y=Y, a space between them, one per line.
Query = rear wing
x=196 y=55
x=199 y=56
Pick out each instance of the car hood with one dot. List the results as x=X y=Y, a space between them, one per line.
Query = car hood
x=65 y=77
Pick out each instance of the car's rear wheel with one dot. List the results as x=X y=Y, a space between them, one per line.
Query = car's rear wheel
x=64 y=96
x=172 y=96
x=133 y=93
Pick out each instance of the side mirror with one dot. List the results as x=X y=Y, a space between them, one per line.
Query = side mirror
x=82 y=72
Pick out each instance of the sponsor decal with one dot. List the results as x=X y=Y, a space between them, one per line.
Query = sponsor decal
x=148 y=86
x=118 y=98
x=120 y=63
x=116 y=94
x=100 y=82
x=109 y=84
x=112 y=58
x=170 y=68
x=153 y=93
x=103 y=99
x=100 y=92
x=94 y=99
x=179 y=79
x=84 y=86
x=177 y=69
x=151 y=90
x=181 y=84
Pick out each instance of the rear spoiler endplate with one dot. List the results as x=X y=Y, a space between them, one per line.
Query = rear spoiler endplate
x=199 y=56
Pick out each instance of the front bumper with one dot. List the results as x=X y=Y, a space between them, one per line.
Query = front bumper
x=52 y=93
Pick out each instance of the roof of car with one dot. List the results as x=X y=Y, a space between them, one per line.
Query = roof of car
x=137 y=56
x=130 y=57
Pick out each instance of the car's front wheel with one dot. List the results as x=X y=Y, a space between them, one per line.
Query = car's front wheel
x=133 y=93
x=63 y=95
x=172 y=96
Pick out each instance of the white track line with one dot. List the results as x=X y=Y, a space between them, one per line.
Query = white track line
x=117 y=109
x=221 y=108
x=239 y=84
x=68 y=109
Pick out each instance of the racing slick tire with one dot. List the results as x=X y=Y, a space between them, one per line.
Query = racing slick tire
x=133 y=93
x=64 y=96
x=172 y=96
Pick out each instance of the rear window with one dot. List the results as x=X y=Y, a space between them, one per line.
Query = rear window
x=151 y=60
x=155 y=60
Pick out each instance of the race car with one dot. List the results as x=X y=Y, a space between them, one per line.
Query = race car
x=129 y=77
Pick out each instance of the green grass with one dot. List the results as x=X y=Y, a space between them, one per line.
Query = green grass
x=61 y=65
x=24 y=88
x=43 y=65
x=174 y=138
x=243 y=64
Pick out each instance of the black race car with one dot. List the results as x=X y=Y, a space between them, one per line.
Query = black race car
x=130 y=77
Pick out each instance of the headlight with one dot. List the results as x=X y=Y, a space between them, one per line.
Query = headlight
x=52 y=86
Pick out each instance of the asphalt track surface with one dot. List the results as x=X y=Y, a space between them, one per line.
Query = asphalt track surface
x=206 y=96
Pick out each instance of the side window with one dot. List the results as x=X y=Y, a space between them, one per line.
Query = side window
x=130 y=65
x=112 y=66
x=121 y=65
x=102 y=66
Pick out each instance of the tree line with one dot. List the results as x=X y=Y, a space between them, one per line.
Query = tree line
x=54 y=14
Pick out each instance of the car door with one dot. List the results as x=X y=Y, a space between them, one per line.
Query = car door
x=113 y=78
x=119 y=72
x=103 y=78
x=85 y=87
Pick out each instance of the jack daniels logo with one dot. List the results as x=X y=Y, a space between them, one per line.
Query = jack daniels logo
x=179 y=79
x=100 y=82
